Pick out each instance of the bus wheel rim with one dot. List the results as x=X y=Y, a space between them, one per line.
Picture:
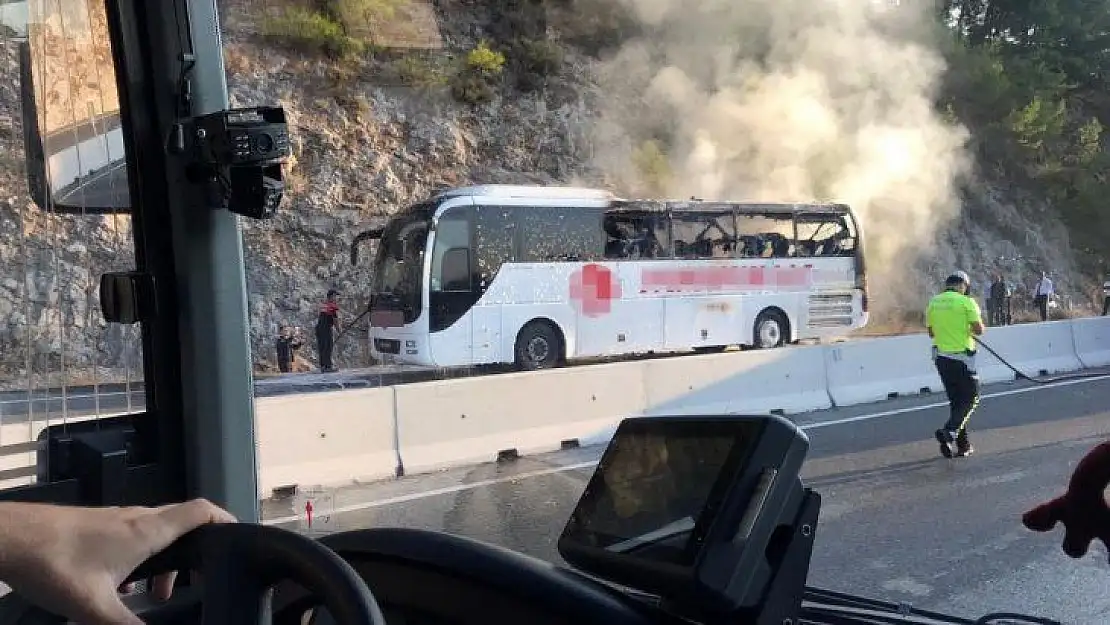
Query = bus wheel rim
x=538 y=349
x=768 y=333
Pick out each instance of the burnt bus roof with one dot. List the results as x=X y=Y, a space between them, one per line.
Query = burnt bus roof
x=678 y=206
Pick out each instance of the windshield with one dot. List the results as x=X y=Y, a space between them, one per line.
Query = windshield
x=963 y=135
x=399 y=264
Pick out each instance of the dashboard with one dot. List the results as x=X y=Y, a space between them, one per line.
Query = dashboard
x=427 y=578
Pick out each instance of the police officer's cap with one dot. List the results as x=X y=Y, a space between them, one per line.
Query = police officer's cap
x=958 y=277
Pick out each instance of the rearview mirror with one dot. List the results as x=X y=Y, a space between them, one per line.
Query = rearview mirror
x=71 y=123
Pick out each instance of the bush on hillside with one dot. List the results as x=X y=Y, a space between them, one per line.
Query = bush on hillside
x=475 y=82
x=418 y=71
x=311 y=31
x=534 y=60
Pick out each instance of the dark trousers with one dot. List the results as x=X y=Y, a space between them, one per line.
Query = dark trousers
x=1105 y=305
x=324 y=344
x=962 y=388
x=999 y=312
x=1042 y=306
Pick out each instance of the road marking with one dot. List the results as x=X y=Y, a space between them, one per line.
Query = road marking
x=458 y=488
x=939 y=404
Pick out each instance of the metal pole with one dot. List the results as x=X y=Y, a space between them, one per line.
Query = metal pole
x=218 y=385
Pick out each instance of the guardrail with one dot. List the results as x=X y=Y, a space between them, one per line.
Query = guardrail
x=336 y=438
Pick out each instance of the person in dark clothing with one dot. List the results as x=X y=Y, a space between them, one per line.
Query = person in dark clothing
x=287 y=345
x=1000 y=302
x=327 y=323
x=1105 y=296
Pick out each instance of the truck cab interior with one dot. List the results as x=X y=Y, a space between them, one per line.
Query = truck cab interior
x=190 y=170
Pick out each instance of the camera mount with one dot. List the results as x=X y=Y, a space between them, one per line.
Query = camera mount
x=239 y=154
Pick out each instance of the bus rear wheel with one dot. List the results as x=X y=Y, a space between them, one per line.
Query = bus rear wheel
x=770 y=330
x=538 y=346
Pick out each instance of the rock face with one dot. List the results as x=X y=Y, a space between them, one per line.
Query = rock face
x=364 y=148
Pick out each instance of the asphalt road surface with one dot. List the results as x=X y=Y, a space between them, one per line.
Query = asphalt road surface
x=898 y=521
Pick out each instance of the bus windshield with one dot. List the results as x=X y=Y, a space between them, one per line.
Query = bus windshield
x=399 y=263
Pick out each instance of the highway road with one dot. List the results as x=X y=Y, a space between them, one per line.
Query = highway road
x=898 y=522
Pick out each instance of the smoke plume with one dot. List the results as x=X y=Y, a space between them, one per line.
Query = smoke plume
x=789 y=100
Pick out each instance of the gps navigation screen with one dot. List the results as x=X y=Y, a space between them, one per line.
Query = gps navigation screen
x=658 y=485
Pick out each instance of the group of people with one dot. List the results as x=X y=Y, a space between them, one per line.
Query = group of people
x=999 y=299
x=289 y=339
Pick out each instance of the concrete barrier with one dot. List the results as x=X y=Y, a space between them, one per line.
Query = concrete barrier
x=472 y=420
x=335 y=438
x=1091 y=338
x=882 y=368
x=325 y=439
x=781 y=380
x=1033 y=348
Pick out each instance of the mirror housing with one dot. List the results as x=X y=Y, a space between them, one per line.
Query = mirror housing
x=373 y=234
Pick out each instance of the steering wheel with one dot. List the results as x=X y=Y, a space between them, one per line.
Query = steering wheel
x=237 y=563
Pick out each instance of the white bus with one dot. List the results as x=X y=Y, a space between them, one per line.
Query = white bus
x=535 y=276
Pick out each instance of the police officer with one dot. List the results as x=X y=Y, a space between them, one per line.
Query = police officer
x=952 y=319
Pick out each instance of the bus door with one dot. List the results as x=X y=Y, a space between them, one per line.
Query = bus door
x=452 y=288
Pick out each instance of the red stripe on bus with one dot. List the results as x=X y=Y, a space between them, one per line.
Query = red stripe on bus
x=717 y=278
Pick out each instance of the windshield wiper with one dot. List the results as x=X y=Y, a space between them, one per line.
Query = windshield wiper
x=826 y=607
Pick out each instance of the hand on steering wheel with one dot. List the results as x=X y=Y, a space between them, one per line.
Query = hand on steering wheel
x=78 y=577
x=74 y=559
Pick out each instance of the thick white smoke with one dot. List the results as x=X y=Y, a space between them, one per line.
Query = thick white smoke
x=789 y=100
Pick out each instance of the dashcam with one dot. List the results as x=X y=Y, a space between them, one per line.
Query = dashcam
x=240 y=137
x=707 y=513
x=241 y=153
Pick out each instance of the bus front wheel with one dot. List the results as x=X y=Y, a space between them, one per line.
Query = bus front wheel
x=538 y=346
x=771 y=329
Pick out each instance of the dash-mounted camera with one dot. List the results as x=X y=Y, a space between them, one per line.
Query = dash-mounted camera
x=241 y=152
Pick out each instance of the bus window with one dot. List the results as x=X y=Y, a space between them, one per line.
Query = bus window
x=493 y=240
x=635 y=234
x=451 y=256
x=766 y=235
x=554 y=234
x=824 y=234
x=709 y=234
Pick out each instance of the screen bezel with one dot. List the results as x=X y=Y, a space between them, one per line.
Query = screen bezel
x=650 y=574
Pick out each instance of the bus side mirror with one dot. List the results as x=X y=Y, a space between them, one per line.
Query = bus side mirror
x=372 y=234
x=76 y=162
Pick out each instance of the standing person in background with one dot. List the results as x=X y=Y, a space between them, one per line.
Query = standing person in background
x=327 y=324
x=996 y=297
x=287 y=345
x=1041 y=294
x=1008 y=302
x=1000 y=305
x=1105 y=296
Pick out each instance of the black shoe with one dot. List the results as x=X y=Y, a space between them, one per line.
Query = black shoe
x=963 y=445
x=946 y=440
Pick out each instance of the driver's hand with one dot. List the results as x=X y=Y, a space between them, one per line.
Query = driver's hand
x=72 y=560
